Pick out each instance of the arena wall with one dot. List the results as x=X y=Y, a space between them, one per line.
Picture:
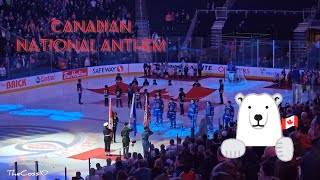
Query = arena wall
x=215 y=70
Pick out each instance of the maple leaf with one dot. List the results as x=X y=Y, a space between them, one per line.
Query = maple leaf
x=289 y=122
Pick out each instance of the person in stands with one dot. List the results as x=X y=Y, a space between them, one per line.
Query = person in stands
x=92 y=175
x=78 y=176
x=311 y=159
x=3 y=71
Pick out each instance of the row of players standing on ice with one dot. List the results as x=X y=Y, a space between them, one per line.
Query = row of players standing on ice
x=159 y=106
x=173 y=71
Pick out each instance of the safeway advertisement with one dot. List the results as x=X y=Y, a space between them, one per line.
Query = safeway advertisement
x=110 y=69
x=77 y=73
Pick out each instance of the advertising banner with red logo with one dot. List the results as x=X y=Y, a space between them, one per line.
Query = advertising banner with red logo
x=30 y=81
x=125 y=68
x=45 y=78
x=13 y=84
x=76 y=73
x=247 y=71
x=109 y=69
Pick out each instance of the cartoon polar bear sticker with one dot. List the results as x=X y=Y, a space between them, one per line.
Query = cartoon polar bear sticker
x=258 y=124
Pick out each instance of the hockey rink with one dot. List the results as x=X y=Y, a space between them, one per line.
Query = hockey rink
x=49 y=126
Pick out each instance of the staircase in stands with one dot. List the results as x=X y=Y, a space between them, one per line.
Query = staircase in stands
x=218 y=24
x=300 y=34
x=142 y=23
x=299 y=43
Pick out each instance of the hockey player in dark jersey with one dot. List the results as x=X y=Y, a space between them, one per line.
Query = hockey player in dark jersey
x=172 y=113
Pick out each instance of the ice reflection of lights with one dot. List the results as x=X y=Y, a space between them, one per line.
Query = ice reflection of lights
x=56 y=115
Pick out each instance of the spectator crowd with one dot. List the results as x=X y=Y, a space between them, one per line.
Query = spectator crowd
x=201 y=157
x=32 y=19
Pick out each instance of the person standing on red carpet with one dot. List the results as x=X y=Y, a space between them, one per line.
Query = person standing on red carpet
x=199 y=69
x=118 y=78
x=172 y=113
x=145 y=68
x=221 y=90
x=115 y=124
x=107 y=138
x=130 y=94
x=125 y=138
x=118 y=95
x=146 y=96
x=138 y=98
x=106 y=95
x=181 y=98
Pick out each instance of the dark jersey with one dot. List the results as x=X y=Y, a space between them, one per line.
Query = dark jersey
x=138 y=96
x=172 y=107
x=106 y=92
x=221 y=88
x=115 y=122
x=146 y=83
x=135 y=83
x=118 y=78
x=107 y=134
x=125 y=134
x=182 y=96
x=118 y=93
x=130 y=90
x=79 y=87
x=196 y=84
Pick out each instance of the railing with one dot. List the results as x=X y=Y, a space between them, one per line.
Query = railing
x=191 y=29
x=304 y=92
x=257 y=11
x=243 y=51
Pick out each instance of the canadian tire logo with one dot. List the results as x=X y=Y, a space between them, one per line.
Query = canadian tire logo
x=119 y=68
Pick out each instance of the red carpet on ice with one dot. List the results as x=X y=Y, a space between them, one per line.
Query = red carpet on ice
x=195 y=93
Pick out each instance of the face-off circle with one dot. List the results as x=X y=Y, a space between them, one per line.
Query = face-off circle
x=36 y=140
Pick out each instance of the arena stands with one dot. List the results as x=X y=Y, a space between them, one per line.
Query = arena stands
x=172 y=18
x=273 y=4
x=31 y=19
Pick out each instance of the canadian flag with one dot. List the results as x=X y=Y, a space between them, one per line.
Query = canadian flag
x=289 y=122
x=110 y=115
